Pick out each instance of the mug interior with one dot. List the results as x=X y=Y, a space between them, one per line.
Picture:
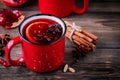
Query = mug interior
x=42 y=16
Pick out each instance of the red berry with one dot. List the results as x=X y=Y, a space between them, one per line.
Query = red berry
x=43 y=32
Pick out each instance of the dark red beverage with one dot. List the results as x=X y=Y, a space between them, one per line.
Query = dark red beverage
x=43 y=42
x=42 y=31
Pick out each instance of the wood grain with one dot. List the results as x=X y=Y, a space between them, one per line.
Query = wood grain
x=101 y=19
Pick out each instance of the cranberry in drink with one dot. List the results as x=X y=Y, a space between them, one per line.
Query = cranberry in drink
x=43 y=31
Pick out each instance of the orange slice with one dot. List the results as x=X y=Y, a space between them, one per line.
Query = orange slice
x=35 y=28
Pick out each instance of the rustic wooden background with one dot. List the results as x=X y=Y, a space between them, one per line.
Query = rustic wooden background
x=102 y=19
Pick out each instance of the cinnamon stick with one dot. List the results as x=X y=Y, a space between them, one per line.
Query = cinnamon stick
x=75 y=37
x=84 y=32
x=80 y=41
x=80 y=35
x=89 y=35
x=84 y=39
x=81 y=46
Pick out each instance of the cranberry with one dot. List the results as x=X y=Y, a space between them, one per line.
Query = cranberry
x=55 y=30
x=52 y=33
x=49 y=33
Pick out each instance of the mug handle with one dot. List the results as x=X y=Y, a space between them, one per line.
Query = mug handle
x=8 y=48
x=78 y=10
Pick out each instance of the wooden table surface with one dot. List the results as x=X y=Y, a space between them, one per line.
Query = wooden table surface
x=103 y=20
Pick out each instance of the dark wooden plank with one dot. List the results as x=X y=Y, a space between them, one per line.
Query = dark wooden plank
x=104 y=7
x=104 y=0
x=102 y=64
x=101 y=6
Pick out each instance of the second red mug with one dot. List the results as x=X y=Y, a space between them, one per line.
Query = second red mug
x=61 y=8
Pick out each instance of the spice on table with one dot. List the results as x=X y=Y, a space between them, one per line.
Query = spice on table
x=71 y=69
x=67 y=68
x=84 y=40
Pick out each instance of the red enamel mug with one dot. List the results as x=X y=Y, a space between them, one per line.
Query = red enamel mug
x=36 y=57
x=61 y=8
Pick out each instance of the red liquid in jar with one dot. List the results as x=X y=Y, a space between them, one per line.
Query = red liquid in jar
x=43 y=31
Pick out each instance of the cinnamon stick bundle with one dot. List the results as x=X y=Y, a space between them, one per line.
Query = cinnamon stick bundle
x=84 y=40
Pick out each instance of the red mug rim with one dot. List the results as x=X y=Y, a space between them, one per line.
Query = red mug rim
x=20 y=32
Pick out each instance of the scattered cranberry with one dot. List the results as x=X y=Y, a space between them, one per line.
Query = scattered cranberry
x=13 y=3
x=10 y=19
x=53 y=32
